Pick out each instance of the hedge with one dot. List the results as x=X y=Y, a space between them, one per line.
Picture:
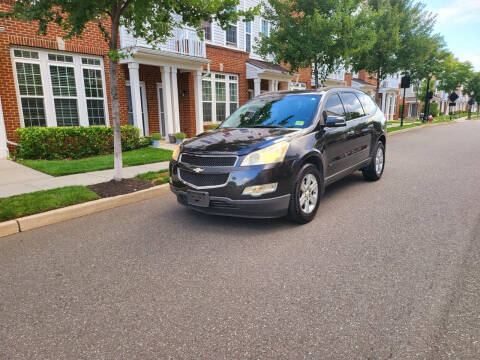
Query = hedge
x=56 y=143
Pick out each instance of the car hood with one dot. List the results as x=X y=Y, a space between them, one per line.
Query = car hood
x=239 y=141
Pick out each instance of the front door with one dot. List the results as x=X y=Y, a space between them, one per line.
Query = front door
x=143 y=102
x=161 y=110
x=336 y=146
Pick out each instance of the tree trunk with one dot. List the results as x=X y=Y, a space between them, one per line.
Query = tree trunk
x=377 y=91
x=117 y=136
x=315 y=71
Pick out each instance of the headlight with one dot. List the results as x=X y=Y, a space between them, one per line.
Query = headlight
x=269 y=155
x=176 y=152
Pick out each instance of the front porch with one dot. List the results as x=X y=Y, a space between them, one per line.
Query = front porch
x=163 y=86
x=265 y=77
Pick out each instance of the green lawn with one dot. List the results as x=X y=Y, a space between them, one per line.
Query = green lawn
x=395 y=128
x=155 y=177
x=27 y=204
x=66 y=167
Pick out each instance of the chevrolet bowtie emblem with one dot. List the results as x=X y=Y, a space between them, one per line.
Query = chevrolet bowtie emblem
x=198 y=170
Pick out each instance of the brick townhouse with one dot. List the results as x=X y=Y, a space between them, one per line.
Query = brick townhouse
x=177 y=86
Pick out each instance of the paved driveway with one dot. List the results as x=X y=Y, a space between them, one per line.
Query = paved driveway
x=386 y=270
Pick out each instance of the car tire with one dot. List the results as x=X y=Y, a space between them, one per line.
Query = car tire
x=374 y=170
x=309 y=184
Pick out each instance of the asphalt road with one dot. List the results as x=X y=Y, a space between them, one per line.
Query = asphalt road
x=386 y=270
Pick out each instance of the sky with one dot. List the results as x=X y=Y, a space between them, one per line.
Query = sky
x=459 y=23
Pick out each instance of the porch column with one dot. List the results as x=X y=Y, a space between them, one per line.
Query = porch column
x=197 y=88
x=256 y=87
x=275 y=85
x=3 y=136
x=289 y=83
x=384 y=96
x=135 y=93
x=387 y=105
x=394 y=105
x=176 y=114
x=167 y=99
x=271 y=85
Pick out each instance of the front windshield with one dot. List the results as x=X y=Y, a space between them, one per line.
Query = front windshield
x=287 y=111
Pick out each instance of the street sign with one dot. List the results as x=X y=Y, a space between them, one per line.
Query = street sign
x=453 y=96
x=405 y=82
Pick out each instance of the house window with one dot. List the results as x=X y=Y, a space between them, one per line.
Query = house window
x=248 y=36
x=31 y=94
x=219 y=96
x=49 y=93
x=232 y=35
x=94 y=93
x=207 y=30
x=64 y=95
x=207 y=100
x=264 y=27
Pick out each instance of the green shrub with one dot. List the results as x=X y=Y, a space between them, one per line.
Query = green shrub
x=145 y=141
x=156 y=136
x=55 y=143
x=180 y=135
x=211 y=126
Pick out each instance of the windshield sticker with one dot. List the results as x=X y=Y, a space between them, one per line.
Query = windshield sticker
x=299 y=123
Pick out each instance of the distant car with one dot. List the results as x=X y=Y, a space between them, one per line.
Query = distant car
x=274 y=155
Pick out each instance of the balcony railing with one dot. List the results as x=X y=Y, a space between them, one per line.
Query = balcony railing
x=183 y=41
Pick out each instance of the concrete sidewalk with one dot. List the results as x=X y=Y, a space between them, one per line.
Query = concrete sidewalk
x=18 y=179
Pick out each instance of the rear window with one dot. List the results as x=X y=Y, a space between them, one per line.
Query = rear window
x=352 y=105
x=287 y=111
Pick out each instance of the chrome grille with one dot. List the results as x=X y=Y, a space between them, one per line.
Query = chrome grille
x=208 y=160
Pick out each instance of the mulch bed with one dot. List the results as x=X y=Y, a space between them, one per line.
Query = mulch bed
x=114 y=188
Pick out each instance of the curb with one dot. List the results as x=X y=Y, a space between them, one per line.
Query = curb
x=420 y=127
x=71 y=212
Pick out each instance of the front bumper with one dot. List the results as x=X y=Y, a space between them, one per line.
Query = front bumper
x=253 y=208
x=228 y=198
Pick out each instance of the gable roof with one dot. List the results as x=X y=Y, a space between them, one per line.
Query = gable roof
x=266 y=65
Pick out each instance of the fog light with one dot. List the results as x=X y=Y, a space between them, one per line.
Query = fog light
x=258 y=190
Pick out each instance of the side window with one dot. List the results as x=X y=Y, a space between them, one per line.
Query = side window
x=352 y=106
x=368 y=105
x=334 y=106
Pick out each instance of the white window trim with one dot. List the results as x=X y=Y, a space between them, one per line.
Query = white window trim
x=48 y=98
x=227 y=82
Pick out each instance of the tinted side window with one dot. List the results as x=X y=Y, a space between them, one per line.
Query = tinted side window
x=352 y=106
x=334 y=106
x=368 y=105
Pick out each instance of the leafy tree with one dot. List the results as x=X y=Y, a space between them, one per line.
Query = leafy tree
x=400 y=26
x=152 y=20
x=453 y=74
x=473 y=88
x=321 y=34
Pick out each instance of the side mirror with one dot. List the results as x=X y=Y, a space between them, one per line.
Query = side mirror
x=335 y=121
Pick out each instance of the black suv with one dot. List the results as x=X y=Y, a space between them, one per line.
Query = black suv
x=274 y=155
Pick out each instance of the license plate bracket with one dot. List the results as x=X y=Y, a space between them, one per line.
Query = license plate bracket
x=198 y=198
